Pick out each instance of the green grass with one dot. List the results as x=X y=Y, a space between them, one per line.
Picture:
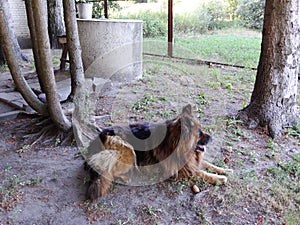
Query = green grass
x=4 y=68
x=235 y=49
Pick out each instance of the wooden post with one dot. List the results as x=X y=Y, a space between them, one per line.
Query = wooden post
x=170 y=28
x=105 y=9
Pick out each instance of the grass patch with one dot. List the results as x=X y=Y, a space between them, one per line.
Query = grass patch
x=294 y=130
x=4 y=68
x=236 y=49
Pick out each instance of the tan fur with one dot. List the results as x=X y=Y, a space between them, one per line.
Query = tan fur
x=196 y=168
x=196 y=165
x=117 y=158
x=178 y=152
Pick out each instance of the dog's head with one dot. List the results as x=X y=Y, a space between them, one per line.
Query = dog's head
x=192 y=127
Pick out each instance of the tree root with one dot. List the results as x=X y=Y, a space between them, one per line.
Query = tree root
x=252 y=119
x=43 y=131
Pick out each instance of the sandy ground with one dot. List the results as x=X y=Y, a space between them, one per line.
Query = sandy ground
x=46 y=184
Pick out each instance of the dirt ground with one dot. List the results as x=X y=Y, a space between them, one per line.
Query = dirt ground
x=46 y=184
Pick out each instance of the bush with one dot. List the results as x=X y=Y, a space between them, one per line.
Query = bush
x=154 y=23
x=217 y=10
x=98 y=8
x=191 y=23
x=251 y=13
x=206 y=16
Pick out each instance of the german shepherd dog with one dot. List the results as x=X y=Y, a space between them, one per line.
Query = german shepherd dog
x=175 y=146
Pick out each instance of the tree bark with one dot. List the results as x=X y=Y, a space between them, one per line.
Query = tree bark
x=274 y=99
x=19 y=53
x=55 y=21
x=48 y=79
x=2 y=57
x=8 y=46
x=74 y=48
x=30 y=21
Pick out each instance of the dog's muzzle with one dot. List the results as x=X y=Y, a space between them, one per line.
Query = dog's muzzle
x=200 y=147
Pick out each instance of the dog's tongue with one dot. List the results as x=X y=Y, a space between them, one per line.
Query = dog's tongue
x=200 y=148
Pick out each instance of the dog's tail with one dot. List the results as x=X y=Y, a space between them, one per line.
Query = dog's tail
x=103 y=163
x=106 y=180
x=100 y=186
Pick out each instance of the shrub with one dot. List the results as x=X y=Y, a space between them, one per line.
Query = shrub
x=251 y=13
x=154 y=23
x=191 y=22
x=98 y=8
x=217 y=10
x=208 y=15
x=205 y=15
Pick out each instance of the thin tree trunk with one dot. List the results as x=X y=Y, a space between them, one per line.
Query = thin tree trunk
x=274 y=98
x=76 y=66
x=14 y=39
x=28 y=4
x=54 y=107
x=10 y=54
x=55 y=21
x=2 y=58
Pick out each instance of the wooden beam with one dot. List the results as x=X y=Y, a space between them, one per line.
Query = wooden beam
x=170 y=28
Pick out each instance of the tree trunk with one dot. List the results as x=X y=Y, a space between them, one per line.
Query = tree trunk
x=2 y=58
x=30 y=21
x=6 y=36
x=54 y=107
x=274 y=98
x=14 y=39
x=55 y=21
x=76 y=66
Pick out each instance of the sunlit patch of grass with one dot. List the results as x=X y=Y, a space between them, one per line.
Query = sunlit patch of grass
x=226 y=48
x=232 y=49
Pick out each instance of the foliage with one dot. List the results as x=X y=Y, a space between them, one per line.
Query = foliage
x=4 y=67
x=154 y=23
x=294 y=131
x=231 y=9
x=251 y=13
x=98 y=8
x=191 y=22
x=217 y=13
x=202 y=17
x=206 y=16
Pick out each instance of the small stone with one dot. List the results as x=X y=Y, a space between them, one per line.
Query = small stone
x=195 y=189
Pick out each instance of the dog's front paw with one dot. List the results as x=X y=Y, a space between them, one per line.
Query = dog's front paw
x=125 y=179
x=221 y=180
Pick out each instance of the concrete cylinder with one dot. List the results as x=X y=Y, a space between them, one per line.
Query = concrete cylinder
x=111 y=49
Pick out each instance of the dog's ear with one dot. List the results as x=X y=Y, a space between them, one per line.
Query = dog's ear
x=187 y=109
